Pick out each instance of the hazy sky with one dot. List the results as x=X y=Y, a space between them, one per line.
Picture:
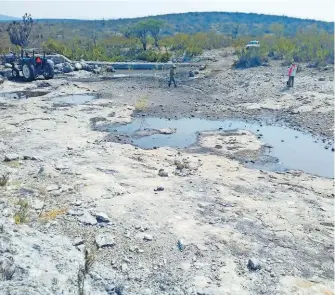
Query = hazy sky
x=313 y=9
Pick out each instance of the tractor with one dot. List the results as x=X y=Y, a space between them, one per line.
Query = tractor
x=32 y=66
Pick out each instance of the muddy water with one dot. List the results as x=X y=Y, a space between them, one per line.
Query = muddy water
x=294 y=149
x=22 y=94
x=73 y=99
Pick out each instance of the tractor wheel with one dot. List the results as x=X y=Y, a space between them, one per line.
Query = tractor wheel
x=15 y=73
x=48 y=71
x=29 y=72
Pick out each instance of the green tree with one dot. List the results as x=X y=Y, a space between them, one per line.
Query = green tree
x=155 y=28
x=141 y=30
x=19 y=32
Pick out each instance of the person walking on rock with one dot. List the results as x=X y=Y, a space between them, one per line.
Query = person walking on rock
x=291 y=74
x=172 y=75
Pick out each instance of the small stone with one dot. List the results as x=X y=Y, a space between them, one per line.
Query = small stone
x=162 y=173
x=102 y=217
x=66 y=188
x=81 y=248
x=87 y=219
x=159 y=189
x=322 y=79
x=52 y=187
x=132 y=248
x=11 y=157
x=47 y=171
x=110 y=288
x=7 y=268
x=104 y=241
x=78 y=241
x=253 y=264
x=37 y=205
x=218 y=146
x=167 y=131
x=32 y=158
x=181 y=245
x=60 y=167
x=148 y=237
x=124 y=267
x=75 y=212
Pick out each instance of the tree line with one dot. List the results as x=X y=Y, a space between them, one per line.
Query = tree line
x=144 y=40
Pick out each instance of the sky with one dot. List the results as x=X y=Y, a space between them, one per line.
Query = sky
x=108 y=9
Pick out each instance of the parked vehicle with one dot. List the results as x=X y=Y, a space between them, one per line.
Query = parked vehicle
x=253 y=44
x=32 y=65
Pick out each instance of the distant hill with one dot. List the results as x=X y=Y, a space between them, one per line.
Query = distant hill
x=7 y=18
x=250 y=24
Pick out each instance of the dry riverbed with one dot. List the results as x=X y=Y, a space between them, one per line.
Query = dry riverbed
x=167 y=220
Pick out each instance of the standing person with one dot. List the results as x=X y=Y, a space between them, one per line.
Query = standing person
x=172 y=75
x=291 y=74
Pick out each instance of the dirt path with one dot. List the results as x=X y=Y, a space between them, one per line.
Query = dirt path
x=193 y=237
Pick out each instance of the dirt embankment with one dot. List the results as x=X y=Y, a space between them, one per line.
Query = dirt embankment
x=189 y=230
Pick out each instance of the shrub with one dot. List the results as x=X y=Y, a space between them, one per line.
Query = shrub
x=3 y=180
x=22 y=215
x=249 y=58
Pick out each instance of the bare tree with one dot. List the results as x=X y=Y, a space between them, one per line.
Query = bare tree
x=19 y=31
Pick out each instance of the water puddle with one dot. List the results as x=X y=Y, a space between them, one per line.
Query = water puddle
x=22 y=94
x=294 y=150
x=73 y=99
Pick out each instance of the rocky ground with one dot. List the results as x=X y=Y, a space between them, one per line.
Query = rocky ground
x=82 y=215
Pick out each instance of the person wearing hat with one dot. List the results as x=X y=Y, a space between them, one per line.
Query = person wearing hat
x=172 y=74
x=291 y=74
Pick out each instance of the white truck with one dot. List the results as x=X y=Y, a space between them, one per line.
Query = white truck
x=252 y=44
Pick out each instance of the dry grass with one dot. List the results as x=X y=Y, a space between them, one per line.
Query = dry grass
x=13 y=164
x=142 y=104
x=89 y=259
x=52 y=214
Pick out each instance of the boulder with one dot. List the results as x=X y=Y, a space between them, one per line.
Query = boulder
x=59 y=66
x=97 y=70
x=253 y=264
x=191 y=74
x=8 y=66
x=203 y=67
x=67 y=68
x=87 y=219
x=102 y=217
x=104 y=241
x=78 y=66
x=111 y=69
x=11 y=157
